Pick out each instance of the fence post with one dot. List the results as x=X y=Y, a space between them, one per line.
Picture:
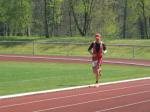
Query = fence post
x=33 y=48
x=67 y=49
x=133 y=52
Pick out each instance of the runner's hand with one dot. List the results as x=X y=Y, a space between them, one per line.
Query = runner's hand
x=105 y=52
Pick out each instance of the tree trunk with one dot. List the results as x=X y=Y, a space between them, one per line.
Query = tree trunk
x=141 y=28
x=88 y=9
x=45 y=20
x=125 y=20
x=149 y=27
x=88 y=15
x=53 y=23
x=145 y=20
x=2 y=29
x=70 y=23
x=28 y=31
x=75 y=19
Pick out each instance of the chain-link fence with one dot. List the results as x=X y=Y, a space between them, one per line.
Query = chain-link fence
x=71 y=49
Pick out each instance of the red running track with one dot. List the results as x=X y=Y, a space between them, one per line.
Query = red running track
x=72 y=59
x=132 y=96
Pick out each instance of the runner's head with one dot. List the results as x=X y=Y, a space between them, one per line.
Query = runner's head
x=98 y=37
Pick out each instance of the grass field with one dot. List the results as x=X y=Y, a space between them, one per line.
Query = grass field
x=72 y=49
x=19 y=77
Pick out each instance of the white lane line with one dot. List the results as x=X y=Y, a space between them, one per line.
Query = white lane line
x=71 y=88
x=91 y=101
x=58 y=98
x=123 y=106
x=127 y=63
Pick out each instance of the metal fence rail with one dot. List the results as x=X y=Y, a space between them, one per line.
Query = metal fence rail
x=71 y=49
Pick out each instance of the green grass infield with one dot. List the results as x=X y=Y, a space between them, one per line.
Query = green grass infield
x=20 y=77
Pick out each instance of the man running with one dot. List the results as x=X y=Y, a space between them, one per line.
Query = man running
x=96 y=49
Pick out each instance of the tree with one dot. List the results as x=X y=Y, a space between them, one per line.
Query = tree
x=125 y=19
x=141 y=9
x=54 y=11
x=106 y=18
x=2 y=19
x=145 y=18
x=82 y=13
x=17 y=16
x=46 y=19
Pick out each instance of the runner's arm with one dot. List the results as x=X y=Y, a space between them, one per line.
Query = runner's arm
x=90 y=49
x=104 y=49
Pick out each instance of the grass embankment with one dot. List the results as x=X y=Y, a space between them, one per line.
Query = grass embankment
x=70 y=47
x=19 y=77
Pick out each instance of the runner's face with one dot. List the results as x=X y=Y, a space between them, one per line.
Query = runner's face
x=98 y=40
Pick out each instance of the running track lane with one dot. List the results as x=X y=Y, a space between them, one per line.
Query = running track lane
x=131 y=96
x=72 y=59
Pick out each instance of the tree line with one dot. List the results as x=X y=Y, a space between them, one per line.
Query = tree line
x=117 y=18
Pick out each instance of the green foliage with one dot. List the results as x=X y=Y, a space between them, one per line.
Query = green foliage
x=17 y=14
x=2 y=13
x=55 y=7
x=105 y=16
x=76 y=17
x=139 y=17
